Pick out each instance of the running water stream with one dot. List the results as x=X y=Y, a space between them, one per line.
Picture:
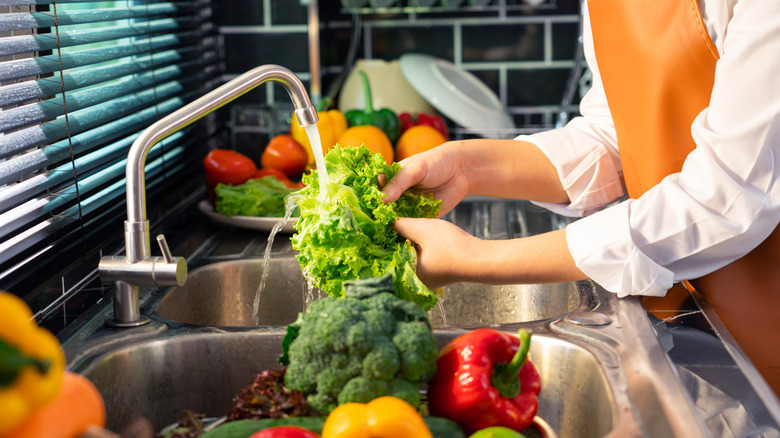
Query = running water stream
x=322 y=173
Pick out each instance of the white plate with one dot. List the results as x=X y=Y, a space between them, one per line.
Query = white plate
x=457 y=94
x=249 y=222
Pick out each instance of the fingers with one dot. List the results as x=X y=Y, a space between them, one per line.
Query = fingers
x=407 y=177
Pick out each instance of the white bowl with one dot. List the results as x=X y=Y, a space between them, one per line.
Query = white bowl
x=457 y=94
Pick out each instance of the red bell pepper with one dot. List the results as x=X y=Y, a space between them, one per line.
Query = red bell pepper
x=408 y=120
x=284 y=432
x=484 y=379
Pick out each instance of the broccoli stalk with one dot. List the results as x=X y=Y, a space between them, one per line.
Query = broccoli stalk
x=361 y=347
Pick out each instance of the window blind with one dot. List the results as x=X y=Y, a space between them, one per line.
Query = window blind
x=79 y=81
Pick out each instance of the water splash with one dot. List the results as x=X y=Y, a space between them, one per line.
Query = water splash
x=290 y=204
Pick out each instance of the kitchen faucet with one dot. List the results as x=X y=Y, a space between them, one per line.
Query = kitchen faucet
x=137 y=267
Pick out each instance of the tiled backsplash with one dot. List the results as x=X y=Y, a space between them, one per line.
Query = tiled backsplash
x=524 y=54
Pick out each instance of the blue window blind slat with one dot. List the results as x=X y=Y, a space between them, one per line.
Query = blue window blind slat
x=43 y=88
x=83 y=120
x=42 y=65
x=51 y=204
x=50 y=41
x=16 y=118
x=14 y=195
x=34 y=20
x=26 y=164
x=30 y=237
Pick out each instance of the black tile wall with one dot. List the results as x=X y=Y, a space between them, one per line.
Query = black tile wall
x=536 y=87
x=524 y=55
x=503 y=43
x=390 y=43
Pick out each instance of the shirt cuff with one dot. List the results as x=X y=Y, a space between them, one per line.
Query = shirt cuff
x=603 y=249
x=588 y=174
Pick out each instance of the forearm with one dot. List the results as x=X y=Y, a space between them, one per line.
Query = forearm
x=509 y=169
x=542 y=258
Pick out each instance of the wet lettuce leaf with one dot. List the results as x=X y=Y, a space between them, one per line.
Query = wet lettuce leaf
x=260 y=197
x=347 y=233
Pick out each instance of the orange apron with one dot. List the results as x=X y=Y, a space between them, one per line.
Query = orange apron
x=657 y=63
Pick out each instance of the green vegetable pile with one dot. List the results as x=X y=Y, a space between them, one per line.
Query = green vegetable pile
x=347 y=233
x=256 y=197
x=355 y=349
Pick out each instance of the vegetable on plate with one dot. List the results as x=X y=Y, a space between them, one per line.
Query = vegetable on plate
x=484 y=379
x=285 y=154
x=384 y=119
x=258 y=197
x=347 y=232
x=225 y=166
x=355 y=349
x=386 y=417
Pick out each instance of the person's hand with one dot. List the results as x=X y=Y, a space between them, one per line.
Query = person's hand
x=442 y=249
x=437 y=171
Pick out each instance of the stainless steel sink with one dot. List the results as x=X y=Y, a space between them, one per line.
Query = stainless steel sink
x=223 y=294
x=604 y=372
x=159 y=378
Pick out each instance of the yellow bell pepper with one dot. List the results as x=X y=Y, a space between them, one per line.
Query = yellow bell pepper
x=388 y=417
x=32 y=363
x=331 y=125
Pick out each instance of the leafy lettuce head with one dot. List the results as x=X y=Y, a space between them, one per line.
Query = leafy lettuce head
x=347 y=232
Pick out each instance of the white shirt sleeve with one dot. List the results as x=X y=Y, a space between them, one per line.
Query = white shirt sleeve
x=726 y=199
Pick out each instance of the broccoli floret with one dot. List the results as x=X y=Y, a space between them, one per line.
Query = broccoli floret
x=363 y=390
x=417 y=349
x=382 y=362
x=405 y=390
x=354 y=349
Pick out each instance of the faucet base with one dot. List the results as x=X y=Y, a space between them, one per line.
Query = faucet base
x=119 y=324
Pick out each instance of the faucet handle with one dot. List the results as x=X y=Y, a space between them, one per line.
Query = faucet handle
x=166 y=251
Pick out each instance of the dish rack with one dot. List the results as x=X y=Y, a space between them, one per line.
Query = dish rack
x=448 y=6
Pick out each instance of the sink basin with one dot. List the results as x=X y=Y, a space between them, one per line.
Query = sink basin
x=200 y=371
x=223 y=294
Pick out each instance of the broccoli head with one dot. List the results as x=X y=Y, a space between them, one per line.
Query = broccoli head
x=354 y=349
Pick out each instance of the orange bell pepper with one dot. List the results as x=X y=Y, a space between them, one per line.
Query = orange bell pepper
x=330 y=126
x=388 y=417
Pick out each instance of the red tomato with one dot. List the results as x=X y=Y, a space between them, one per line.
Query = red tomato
x=228 y=167
x=285 y=154
x=281 y=176
x=278 y=174
x=284 y=432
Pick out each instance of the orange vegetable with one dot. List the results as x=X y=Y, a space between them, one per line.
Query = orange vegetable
x=78 y=406
x=416 y=139
x=387 y=417
x=372 y=137
x=331 y=124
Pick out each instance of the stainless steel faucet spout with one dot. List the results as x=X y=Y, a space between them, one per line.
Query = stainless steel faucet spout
x=138 y=267
x=304 y=110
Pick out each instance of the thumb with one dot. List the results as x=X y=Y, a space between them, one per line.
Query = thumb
x=408 y=227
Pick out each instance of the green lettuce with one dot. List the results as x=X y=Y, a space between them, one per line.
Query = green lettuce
x=346 y=233
x=256 y=197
